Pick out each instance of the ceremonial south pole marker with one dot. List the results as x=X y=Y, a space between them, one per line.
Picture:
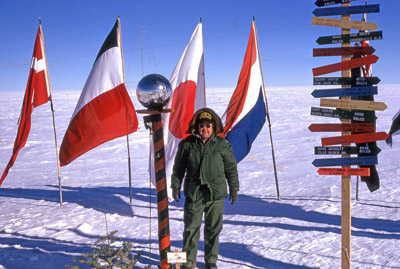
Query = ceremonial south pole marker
x=342 y=51
x=356 y=81
x=354 y=138
x=361 y=161
x=354 y=91
x=347 y=24
x=344 y=171
x=353 y=104
x=343 y=127
x=322 y=3
x=332 y=11
x=354 y=37
x=345 y=65
x=340 y=150
x=359 y=116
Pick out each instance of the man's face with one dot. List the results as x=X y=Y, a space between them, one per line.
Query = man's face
x=206 y=129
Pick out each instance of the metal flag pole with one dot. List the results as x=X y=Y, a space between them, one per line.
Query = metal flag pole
x=52 y=112
x=127 y=136
x=266 y=107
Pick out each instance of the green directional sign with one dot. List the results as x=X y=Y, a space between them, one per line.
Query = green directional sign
x=358 y=116
x=356 y=81
x=355 y=37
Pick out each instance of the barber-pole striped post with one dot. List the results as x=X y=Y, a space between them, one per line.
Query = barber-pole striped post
x=161 y=188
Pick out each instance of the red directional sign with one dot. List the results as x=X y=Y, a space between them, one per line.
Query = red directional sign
x=343 y=127
x=345 y=65
x=343 y=51
x=344 y=171
x=355 y=138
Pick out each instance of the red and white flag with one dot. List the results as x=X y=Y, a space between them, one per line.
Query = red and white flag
x=187 y=81
x=104 y=110
x=37 y=93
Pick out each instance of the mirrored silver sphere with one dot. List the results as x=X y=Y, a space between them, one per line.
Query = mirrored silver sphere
x=154 y=91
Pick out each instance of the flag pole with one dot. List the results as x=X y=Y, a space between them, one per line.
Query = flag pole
x=52 y=113
x=127 y=136
x=204 y=75
x=266 y=107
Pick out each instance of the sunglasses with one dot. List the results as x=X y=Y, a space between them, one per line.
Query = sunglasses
x=202 y=125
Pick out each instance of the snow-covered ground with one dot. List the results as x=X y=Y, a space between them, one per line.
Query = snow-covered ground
x=302 y=230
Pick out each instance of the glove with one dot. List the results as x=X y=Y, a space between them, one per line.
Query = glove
x=176 y=194
x=233 y=195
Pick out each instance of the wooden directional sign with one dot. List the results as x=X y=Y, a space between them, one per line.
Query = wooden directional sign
x=343 y=127
x=344 y=171
x=356 y=81
x=322 y=3
x=347 y=24
x=360 y=116
x=345 y=65
x=339 y=150
x=343 y=51
x=364 y=160
x=355 y=37
x=353 y=104
x=355 y=138
x=332 y=11
x=354 y=91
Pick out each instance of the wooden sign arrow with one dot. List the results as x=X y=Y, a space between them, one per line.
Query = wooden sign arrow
x=343 y=127
x=344 y=171
x=321 y=3
x=353 y=104
x=339 y=150
x=356 y=81
x=343 y=51
x=359 y=116
x=355 y=37
x=364 y=160
x=354 y=91
x=345 y=65
x=355 y=138
x=343 y=23
x=332 y=11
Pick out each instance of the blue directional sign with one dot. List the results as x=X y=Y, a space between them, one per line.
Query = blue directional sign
x=354 y=91
x=331 y=11
x=364 y=160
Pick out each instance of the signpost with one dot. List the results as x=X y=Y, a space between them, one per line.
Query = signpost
x=354 y=37
x=345 y=65
x=343 y=127
x=343 y=23
x=354 y=91
x=354 y=138
x=366 y=149
x=353 y=104
x=363 y=160
x=321 y=3
x=343 y=51
x=332 y=11
x=360 y=116
x=356 y=81
x=344 y=171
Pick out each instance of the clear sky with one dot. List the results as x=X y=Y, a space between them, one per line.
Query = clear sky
x=74 y=31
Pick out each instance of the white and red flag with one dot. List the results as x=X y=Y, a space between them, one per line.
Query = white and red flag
x=187 y=81
x=104 y=110
x=37 y=93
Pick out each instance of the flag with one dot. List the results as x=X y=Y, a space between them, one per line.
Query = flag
x=187 y=82
x=104 y=110
x=394 y=129
x=37 y=93
x=246 y=112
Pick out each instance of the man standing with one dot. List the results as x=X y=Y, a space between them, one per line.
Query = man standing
x=207 y=163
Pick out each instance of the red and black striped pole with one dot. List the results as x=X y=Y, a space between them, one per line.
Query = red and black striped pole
x=161 y=188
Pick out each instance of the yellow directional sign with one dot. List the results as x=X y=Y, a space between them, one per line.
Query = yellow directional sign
x=347 y=24
x=353 y=104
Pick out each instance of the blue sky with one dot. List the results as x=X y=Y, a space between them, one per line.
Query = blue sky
x=75 y=30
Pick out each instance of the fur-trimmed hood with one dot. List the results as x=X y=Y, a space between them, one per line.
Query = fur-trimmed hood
x=218 y=128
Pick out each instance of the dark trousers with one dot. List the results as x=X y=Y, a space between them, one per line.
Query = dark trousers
x=193 y=214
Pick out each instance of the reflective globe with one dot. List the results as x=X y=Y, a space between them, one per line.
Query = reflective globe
x=154 y=91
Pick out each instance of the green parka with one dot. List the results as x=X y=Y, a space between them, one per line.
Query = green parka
x=212 y=164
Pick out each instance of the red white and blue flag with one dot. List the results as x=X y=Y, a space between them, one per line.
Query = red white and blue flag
x=246 y=112
x=187 y=81
x=104 y=110
x=37 y=93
